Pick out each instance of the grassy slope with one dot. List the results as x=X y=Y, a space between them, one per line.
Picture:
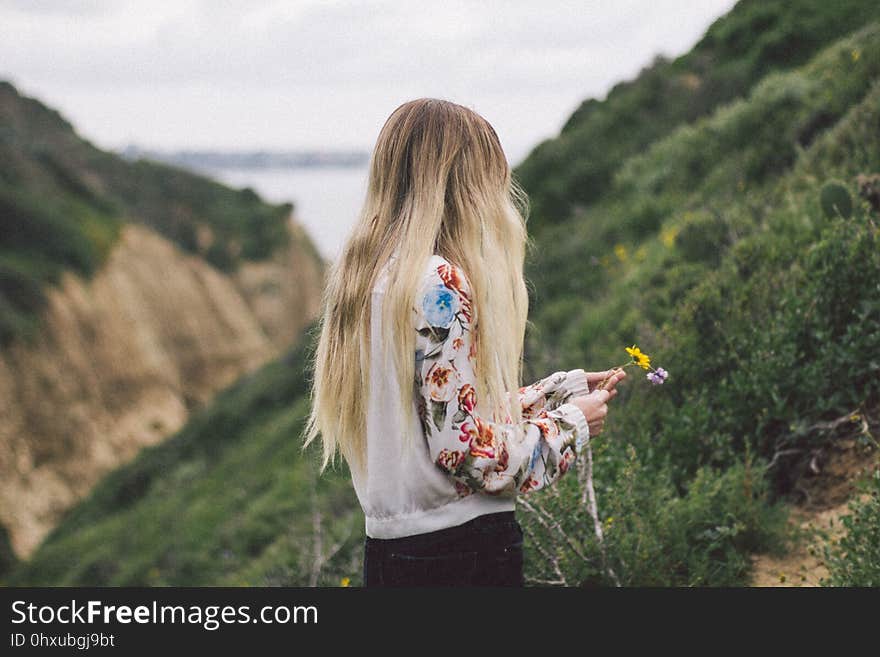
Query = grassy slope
x=763 y=308
x=62 y=202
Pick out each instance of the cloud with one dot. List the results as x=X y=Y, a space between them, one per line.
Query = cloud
x=251 y=43
x=58 y=7
x=317 y=71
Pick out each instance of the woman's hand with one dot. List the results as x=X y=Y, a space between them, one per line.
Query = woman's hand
x=594 y=406
x=610 y=377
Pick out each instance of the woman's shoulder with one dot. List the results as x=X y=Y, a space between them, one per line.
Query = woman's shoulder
x=440 y=270
x=437 y=269
x=445 y=296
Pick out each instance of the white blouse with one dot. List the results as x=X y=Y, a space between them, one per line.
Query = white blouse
x=452 y=464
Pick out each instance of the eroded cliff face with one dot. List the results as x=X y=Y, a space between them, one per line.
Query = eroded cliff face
x=122 y=359
x=281 y=302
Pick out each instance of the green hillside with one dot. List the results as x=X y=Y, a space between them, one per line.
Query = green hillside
x=62 y=202
x=712 y=251
x=736 y=241
x=753 y=40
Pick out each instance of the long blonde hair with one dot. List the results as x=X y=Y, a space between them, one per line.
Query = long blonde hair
x=439 y=182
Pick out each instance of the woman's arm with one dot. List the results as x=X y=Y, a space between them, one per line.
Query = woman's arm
x=552 y=391
x=480 y=454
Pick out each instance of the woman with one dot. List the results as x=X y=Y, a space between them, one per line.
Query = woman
x=421 y=340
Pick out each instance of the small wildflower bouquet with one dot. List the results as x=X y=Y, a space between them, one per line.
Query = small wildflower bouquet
x=657 y=376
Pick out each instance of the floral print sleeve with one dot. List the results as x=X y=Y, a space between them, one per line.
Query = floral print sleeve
x=552 y=391
x=478 y=453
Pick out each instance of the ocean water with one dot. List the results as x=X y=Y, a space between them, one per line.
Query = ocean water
x=326 y=199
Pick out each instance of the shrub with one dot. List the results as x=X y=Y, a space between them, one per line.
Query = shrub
x=855 y=559
x=704 y=237
x=835 y=199
x=656 y=534
x=869 y=189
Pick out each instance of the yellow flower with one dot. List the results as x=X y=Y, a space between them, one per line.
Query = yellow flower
x=856 y=54
x=640 y=359
x=668 y=235
x=345 y=581
x=620 y=252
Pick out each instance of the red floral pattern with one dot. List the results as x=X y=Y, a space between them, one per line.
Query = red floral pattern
x=449 y=460
x=455 y=280
x=468 y=433
x=467 y=398
x=441 y=381
x=567 y=460
x=483 y=444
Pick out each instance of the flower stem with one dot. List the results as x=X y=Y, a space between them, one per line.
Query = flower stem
x=601 y=385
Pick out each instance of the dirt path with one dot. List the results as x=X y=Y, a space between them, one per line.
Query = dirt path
x=803 y=565
x=827 y=490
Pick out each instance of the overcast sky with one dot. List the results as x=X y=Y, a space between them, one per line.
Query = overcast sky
x=326 y=74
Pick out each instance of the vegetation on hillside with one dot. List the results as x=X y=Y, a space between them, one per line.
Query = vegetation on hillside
x=714 y=251
x=62 y=202
x=754 y=39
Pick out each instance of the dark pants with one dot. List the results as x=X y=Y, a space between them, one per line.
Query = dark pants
x=486 y=551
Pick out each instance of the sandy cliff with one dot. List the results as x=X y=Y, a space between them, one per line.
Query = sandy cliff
x=121 y=360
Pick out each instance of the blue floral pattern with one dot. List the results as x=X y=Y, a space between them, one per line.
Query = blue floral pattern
x=439 y=306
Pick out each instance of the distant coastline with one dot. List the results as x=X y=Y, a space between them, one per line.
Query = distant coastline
x=250 y=160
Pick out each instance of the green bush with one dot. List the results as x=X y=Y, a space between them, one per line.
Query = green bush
x=836 y=200
x=855 y=559
x=40 y=237
x=37 y=224
x=219 y=256
x=704 y=238
x=656 y=534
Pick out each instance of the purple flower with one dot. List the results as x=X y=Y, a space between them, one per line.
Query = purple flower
x=658 y=376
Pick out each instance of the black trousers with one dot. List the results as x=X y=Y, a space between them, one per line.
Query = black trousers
x=486 y=551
